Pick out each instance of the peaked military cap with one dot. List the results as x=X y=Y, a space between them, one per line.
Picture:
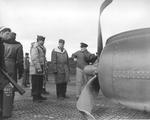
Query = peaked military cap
x=40 y=37
x=83 y=45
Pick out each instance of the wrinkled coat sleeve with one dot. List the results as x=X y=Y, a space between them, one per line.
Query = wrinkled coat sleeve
x=3 y=80
x=35 y=58
x=54 y=60
x=90 y=57
x=20 y=61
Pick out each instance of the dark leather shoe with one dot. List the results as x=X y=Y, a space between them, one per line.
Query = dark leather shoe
x=42 y=98
x=36 y=99
x=66 y=97
x=45 y=93
x=60 y=98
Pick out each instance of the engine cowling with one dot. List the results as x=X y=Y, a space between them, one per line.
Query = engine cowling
x=124 y=69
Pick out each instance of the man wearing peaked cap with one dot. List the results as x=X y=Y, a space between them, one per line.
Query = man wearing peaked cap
x=83 y=57
x=45 y=78
x=37 y=68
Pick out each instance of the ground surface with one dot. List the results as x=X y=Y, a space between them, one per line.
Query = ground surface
x=53 y=109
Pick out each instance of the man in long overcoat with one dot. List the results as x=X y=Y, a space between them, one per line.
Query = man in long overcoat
x=38 y=60
x=60 y=61
x=13 y=56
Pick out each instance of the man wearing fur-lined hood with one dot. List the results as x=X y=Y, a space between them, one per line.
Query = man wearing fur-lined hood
x=60 y=61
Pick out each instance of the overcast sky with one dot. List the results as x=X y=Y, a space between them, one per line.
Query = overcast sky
x=73 y=20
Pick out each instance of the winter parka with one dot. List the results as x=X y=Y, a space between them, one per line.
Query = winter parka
x=38 y=58
x=60 y=63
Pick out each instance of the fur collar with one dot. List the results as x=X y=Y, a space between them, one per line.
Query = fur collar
x=58 y=50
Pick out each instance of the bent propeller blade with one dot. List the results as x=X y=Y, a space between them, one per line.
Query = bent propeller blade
x=86 y=102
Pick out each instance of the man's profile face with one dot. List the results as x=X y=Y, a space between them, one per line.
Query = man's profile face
x=13 y=35
x=41 y=42
x=5 y=35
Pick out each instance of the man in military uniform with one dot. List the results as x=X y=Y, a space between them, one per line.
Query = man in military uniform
x=37 y=67
x=25 y=81
x=83 y=57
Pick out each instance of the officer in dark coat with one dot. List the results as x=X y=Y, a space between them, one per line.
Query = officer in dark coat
x=83 y=58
